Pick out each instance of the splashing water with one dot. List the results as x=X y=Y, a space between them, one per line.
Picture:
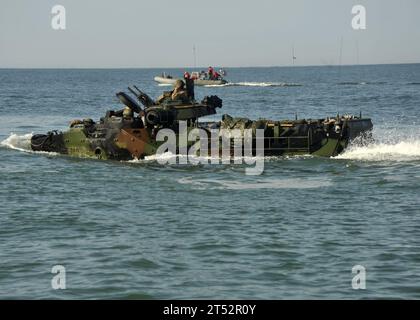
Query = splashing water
x=18 y=142
x=22 y=143
x=392 y=143
x=399 y=151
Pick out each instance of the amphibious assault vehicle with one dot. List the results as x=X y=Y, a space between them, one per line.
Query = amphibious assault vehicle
x=131 y=133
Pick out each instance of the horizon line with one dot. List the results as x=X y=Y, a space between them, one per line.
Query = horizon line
x=203 y=67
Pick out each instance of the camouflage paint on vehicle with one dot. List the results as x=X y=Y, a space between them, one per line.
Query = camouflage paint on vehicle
x=122 y=136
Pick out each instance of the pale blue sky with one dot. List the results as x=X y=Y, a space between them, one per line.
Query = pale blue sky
x=150 y=33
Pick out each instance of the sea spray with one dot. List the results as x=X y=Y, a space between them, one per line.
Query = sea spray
x=400 y=151
x=18 y=142
x=391 y=143
x=22 y=143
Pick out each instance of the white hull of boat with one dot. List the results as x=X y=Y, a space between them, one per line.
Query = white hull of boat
x=197 y=82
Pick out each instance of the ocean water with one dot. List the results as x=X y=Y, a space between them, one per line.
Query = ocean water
x=141 y=230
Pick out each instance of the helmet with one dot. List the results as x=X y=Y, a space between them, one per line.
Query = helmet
x=127 y=113
x=179 y=84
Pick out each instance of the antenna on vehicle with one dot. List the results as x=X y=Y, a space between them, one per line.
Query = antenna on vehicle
x=340 y=58
x=195 y=56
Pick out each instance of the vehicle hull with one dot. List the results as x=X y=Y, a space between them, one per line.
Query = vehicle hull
x=281 y=138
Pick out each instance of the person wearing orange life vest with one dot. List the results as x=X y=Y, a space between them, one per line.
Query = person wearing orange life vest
x=210 y=72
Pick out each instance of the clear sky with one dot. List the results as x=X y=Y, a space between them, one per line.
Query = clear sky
x=161 y=33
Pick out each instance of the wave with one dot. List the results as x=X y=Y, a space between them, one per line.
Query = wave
x=293 y=183
x=189 y=159
x=401 y=151
x=359 y=83
x=256 y=84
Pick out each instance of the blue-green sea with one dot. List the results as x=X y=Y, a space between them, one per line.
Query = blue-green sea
x=142 y=230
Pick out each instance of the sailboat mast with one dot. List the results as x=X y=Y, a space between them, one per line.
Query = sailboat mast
x=293 y=55
x=195 y=56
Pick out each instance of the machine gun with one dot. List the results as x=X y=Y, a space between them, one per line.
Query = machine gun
x=142 y=97
x=128 y=102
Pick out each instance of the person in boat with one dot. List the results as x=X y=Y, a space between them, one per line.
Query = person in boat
x=210 y=73
x=166 y=76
